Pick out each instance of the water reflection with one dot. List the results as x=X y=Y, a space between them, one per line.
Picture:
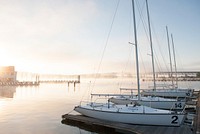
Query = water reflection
x=7 y=91
x=24 y=108
x=73 y=86
x=86 y=127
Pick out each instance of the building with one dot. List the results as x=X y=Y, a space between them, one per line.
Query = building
x=7 y=74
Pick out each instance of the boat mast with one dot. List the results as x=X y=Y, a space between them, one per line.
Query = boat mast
x=174 y=61
x=171 y=74
x=136 y=50
x=152 y=54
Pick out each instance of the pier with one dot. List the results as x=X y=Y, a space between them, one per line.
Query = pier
x=197 y=119
x=102 y=126
x=33 y=79
x=107 y=127
x=168 y=76
x=69 y=79
x=17 y=83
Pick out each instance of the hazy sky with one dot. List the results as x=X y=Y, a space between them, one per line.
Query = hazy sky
x=69 y=36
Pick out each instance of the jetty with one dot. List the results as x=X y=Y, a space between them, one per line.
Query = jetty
x=18 y=83
x=197 y=119
x=107 y=127
x=167 y=76
x=69 y=79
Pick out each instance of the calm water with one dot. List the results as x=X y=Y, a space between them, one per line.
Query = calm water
x=38 y=110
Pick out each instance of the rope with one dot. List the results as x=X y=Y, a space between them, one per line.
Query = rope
x=158 y=44
x=69 y=112
x=106 y=44
x=140 y=10
x=125 y=68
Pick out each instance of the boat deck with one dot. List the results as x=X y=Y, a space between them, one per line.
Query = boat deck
x=102 y=126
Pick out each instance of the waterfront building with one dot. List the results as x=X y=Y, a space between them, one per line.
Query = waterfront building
x=7 y=74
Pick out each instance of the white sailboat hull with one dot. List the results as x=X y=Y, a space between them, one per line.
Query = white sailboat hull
x=174 y=105
x=168 y=93
x=132 y=116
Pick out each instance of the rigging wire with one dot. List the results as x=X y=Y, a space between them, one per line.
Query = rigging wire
x=125 y=67
x=130 y=52
x=140 y=10
x=159 y=68
x=106 y=44
x=138 y=24
x=155 y=53
x=159 y=47
x=86 y=92
x=188 y=84
x=145 y=26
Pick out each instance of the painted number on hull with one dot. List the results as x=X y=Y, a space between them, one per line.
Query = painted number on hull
x=178 y=105
x=188 y=94
x=174 y=120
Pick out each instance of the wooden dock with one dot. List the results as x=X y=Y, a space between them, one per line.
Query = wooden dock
x=18 y=83
x=61 y=79
x=108 y=127
x=197 y=119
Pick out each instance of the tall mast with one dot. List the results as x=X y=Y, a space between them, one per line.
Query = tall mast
x=152 y=54
x=174 y=60
x=171 y=74
x=136 y=50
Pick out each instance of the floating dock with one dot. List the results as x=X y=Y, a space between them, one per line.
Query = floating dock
x=108 y=127
x=197 y=118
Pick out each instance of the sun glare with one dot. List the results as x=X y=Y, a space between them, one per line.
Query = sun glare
x=5 y=58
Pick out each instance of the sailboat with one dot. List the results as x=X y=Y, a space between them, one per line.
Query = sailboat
x=174 y=91
x=151 y=101
x=132 y=114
